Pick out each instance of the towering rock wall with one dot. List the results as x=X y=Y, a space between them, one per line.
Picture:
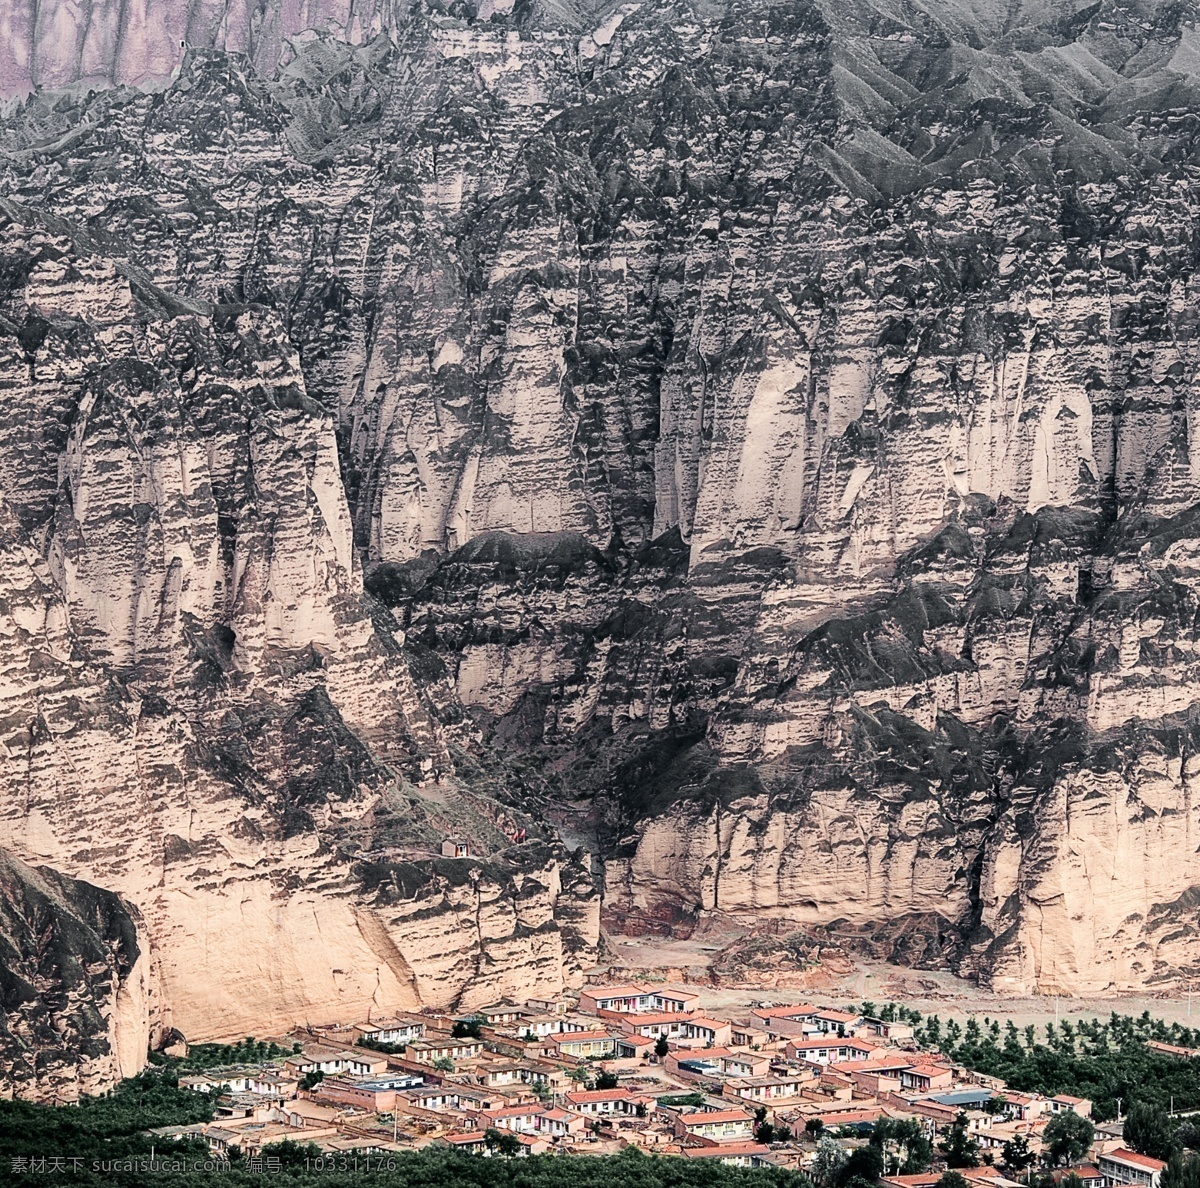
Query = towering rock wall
x=199 y=710
x=765 y=434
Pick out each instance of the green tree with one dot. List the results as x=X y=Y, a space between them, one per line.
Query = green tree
x=1017 y=1155
x=502 y=1141
x=1181 y=1172
x=312 y=1079
x=865 y=1163
x=661 y=1047
x=1068 y=1035
x=607 y=1080
x=1067 y=1137
x=1012 y=1043
x=813 y=1127
x=828 y=1161
x=953 y=1179
x=292 y=1154
x=444 y=1064
x=1187 y=1135
x=959 y=1148
x=1149 y=1130
x=904 y=1145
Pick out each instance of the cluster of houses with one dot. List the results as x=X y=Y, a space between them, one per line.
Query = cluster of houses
x=632 y=1065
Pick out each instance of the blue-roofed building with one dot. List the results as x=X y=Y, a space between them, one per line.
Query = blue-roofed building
x=964 y=1099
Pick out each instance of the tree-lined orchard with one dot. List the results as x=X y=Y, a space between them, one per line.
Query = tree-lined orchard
x=1105 y=1060
x=1109 y=1062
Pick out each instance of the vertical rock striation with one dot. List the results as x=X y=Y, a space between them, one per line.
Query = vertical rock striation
x=758 y=438
x=199 y=710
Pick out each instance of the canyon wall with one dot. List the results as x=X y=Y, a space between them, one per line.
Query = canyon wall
x=198 y=709
x=756 y=441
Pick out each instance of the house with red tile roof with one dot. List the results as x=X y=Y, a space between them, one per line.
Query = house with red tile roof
x=1124 y=1166
x=836 y=1022
x=717 y=1125
x=828 y=1049
x=470 y=1140
x=923 y=1078
x=745 y=1154
x=769 y=1090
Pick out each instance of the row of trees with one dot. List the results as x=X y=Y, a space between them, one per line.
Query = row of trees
x=891 y=1012
x=302 y=1166
x=1084 y=1035
x=1106 y=1062
x=101 y=1127
x=245 y=1051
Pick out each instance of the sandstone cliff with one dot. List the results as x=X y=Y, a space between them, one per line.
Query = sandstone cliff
x=199 y=710
x=757 y=439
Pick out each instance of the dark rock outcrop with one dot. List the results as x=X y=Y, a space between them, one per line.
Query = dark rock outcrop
x=78 y=996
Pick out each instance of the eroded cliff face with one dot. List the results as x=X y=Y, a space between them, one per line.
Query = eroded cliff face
x=765 y=435
x=80 y=999
x=199 y=711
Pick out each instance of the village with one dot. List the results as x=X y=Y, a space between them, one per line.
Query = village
x=639 y=1066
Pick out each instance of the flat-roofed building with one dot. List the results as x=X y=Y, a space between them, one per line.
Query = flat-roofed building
x=607 y=1101
x=395 y=1029
x=582 y=1044
x=429 y=1050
